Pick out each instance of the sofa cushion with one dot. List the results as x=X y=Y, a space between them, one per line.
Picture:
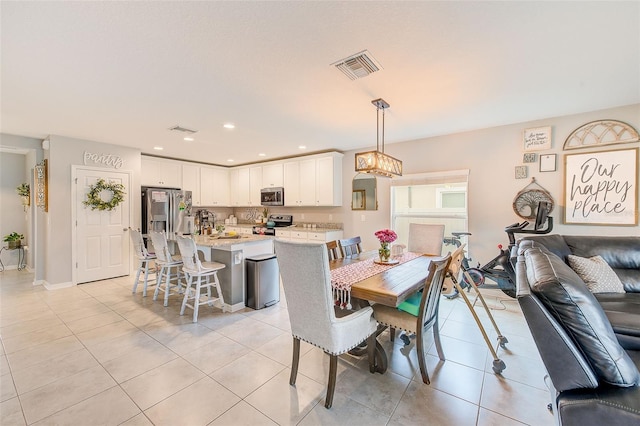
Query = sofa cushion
x=596 y=274
x=567 y=298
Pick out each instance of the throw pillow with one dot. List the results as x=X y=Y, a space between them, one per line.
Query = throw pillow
x=596 y=274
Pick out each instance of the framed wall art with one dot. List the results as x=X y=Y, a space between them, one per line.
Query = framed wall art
x=600 y=188
x=537 y=139
x=548 y=163
x=529 y=157
x=521 y=172
x=41 y=185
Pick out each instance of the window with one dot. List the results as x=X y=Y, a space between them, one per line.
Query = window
x=437 y=198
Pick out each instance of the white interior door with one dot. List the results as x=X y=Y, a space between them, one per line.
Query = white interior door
x=102 y=237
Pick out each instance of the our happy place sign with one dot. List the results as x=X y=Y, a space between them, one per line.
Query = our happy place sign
x=601 y=188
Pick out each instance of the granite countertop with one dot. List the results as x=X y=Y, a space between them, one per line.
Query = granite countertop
x=207 y=240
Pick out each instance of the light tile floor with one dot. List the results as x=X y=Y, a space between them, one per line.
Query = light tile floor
x=97 y=354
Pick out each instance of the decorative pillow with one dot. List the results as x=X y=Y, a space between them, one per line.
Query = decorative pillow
x=596 y=274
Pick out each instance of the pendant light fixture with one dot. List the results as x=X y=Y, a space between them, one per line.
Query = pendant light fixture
x=377 y=162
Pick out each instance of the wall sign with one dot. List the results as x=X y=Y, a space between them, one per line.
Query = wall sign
x=41 y=182
x=600 y=188
x=537 y=139
x=103 y=159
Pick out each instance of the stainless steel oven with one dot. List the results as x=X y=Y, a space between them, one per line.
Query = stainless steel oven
x=272 y=196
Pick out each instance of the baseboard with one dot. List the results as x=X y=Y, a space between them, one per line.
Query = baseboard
x=234 y=308
x=57 y=286
x=39 y=282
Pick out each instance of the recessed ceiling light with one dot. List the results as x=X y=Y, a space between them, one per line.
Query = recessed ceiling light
x=302 y=147
x=262 y=154
x=188 y=139
x=158 y=148
x=230 y=160
x=229 y=126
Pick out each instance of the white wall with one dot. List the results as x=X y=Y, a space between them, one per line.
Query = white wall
x=13 y=217
x=490 y=155
x=63 y=153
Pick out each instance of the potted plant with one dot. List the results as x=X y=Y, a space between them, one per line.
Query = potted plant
x=13 y=240
x=24 y=191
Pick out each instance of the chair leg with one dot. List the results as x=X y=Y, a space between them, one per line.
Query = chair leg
x=295 y=361
x=331 y=386
x=422 y=362
x=167 y=288
x=392 y=334
x=146 y=278
x=371 y=352
x=135 y=283
x=187 y=290
x=196 y=301
x=158 y=283
x=436 y=337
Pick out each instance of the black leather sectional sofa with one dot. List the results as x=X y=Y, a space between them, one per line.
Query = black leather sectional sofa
x=589 y=343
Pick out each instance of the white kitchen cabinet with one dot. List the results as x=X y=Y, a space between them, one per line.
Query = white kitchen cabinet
x=315 y=181
x=245 y=185
x=291 y=171
x=191 y=181
x=214 y=186
x=272 y=175
x=160 y=172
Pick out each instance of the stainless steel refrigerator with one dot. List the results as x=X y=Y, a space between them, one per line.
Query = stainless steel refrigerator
x=167 y=210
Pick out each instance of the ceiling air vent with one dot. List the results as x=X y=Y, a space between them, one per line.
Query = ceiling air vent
x=359 y=65
x=182 y=129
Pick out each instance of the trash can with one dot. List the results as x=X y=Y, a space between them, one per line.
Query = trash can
x=263 y=281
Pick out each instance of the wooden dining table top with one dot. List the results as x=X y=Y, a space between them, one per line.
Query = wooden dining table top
x=390 y=287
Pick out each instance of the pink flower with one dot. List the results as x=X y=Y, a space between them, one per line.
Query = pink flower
x=386 y=236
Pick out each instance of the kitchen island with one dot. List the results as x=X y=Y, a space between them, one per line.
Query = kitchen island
x=232 y=252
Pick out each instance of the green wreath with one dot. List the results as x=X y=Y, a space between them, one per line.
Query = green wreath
x=93 y=197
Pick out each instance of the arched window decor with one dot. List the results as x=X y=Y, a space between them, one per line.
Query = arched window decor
x=601 y=133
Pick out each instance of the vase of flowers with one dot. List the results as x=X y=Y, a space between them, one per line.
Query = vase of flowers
x=386 y=237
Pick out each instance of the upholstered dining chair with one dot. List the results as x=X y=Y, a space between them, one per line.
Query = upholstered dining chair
x=194 y=268
x=350 y=246
x=144 y=260
x=425 y=238
x=169 y=266
x=304 y=269
x=427 y=317
x=332 y=249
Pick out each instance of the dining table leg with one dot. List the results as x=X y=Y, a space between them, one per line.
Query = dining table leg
x=380 y=355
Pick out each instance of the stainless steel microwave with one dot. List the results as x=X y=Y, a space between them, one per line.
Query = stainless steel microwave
x=272 y=196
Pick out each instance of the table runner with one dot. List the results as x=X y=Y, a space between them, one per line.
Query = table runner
x=344 y=277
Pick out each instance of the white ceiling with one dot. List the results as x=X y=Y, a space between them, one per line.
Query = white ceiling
x=124 y=72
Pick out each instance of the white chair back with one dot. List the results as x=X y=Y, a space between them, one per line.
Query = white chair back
x=138 y=245
x=425 y=238
x=190 y=260
x=306 y=280
x=160 y=246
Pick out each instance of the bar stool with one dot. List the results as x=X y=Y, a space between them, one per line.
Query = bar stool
x=169 y=266
x=193 y=268
x=144 y=259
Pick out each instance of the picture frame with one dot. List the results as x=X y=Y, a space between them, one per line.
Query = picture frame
x=537 y=139
x=40 y=177
x=529 y=157
x=600 y=188
x=358 y=199
x=548 y=163
x=521 y=172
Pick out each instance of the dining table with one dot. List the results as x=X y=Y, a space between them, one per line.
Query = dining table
x=362 y=279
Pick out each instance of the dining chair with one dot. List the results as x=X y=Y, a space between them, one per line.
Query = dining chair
x=304 y=269
x=144 y=260
x=427 y=317
x=332 y=249
x=194 y=268
x=350 y=247
x=426 y=238
x=169 y=266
